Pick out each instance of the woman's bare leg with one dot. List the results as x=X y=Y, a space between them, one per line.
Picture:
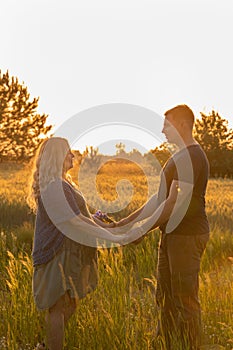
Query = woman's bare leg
x=70 y=307
x=56 y=319
x=55 y=325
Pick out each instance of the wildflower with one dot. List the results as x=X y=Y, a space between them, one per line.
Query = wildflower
x=103 y=216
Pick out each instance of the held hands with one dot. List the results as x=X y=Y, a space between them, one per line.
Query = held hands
x=122 y=230
x=133 y=228
x=106 y=221
x=103 y=220
x=103 y=217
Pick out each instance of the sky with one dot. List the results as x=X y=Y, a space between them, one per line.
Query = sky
x=77 y=54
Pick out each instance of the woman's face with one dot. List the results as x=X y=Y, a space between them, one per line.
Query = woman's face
x=68 y=162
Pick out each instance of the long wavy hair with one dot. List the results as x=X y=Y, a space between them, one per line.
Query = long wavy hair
x=48 y=166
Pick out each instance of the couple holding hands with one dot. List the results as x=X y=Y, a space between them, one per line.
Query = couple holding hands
x=67 y=236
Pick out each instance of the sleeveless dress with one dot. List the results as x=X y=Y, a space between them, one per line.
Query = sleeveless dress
x=73 y=268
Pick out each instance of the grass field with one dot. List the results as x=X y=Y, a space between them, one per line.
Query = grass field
x=121 y=314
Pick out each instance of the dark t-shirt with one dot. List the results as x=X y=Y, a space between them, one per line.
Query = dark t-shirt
x=59 y=204
x=189 y=165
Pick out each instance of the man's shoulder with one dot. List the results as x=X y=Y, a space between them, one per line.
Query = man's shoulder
x=193 y=152
x=198 y=156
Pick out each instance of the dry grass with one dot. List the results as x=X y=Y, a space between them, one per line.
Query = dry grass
x=121 y=314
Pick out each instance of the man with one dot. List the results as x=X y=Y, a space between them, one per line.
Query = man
x=179 y=211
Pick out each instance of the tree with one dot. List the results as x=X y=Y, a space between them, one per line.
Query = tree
x=135 y=156
x=120 y=149
x=91 y=156
x=213 y=134
x=163 y=152
x=21 y=128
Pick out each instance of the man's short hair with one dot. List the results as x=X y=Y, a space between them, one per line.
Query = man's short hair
x=180 y=113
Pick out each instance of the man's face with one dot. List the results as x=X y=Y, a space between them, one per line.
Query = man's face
x=170 y=129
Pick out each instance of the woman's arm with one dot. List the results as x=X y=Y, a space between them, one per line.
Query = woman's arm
x=95 y=228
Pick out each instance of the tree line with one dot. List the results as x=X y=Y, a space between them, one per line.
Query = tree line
x=22 y=129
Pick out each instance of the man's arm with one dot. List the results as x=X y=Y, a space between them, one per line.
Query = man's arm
x=142 y=213
x=179 y=195
x=165 y=209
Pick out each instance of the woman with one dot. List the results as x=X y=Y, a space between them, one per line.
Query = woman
x=64 y=270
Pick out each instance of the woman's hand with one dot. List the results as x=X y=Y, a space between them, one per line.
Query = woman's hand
x=103 y=220
x=101 y=223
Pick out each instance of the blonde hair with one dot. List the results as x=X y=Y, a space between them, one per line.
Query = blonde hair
x=48 y=166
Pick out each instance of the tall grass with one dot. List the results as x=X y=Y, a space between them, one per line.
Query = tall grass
x=121 y=314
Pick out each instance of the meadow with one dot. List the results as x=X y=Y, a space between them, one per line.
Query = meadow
x=121 y=314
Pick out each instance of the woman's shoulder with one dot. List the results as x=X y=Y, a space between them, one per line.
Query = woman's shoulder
x=58 y=182
x=67 y=186
x=62 y=185
x=56 y=186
